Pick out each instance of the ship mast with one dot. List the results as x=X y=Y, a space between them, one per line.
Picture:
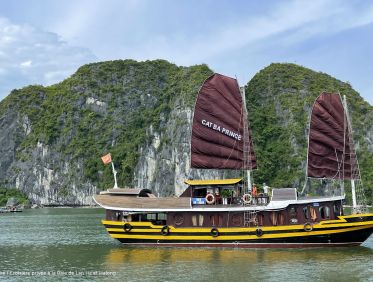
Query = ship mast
x=246 y=145
x=353 y=190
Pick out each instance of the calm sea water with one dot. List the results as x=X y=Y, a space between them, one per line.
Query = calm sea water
x=71 y=244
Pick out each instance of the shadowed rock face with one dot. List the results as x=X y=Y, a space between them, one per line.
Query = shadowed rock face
x=51 y=138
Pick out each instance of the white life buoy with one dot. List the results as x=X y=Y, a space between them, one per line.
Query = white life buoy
x=246 y=198
x=210 y=199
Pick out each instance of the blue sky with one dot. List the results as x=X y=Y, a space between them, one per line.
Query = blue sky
x=43 y=42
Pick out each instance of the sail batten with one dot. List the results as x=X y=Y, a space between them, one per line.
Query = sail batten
x=331 y=153
x=218 y=131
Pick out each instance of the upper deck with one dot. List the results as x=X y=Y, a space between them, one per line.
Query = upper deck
x=139 y=204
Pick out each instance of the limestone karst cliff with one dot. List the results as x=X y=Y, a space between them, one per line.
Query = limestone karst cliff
x=51 y=138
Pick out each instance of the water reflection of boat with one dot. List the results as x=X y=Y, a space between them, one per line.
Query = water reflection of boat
x=143 y=256
x=186 y=264
x=221 y=139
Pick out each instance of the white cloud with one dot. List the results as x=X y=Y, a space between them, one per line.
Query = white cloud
x=91 y=21
x=343 y=18
x=29 y=55
x=295 y=21
x=236 y=45
x=81 y=15
x=26 y=64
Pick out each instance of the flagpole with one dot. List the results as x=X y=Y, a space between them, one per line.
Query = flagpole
x=115 y=175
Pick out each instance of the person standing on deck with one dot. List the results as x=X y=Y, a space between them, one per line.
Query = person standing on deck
x=254 y=193
x=254 y=190
x=265 y=189
x=266 y=193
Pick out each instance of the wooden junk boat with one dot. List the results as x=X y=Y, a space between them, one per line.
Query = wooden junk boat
x=221 y=139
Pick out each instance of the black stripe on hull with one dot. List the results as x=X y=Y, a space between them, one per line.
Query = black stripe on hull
x=122 y=226
x=359 y=219
x=349 y=238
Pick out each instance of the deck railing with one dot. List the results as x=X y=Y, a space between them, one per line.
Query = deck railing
x=260 y=200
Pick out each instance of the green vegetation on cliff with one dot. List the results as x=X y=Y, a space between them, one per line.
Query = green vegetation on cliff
x=104 y=107
x=6 y=194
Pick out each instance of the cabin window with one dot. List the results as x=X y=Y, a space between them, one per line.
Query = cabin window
x=260 y=219
x=277 y=218
x=151 y=216
x=212 y=219
x=305 y=212
x=337 y=209
x=324 y=212
x=274 y=218
x=281 y=218
x=162 y=216
x=199 y=192
x=216 y=220
x=155 y=218
x=293 y=212
x=197 y=220
x=313 y=213
x=127 y=218
x=194 y=220
x=293 y=215
x=136 y=217
x=200 y=219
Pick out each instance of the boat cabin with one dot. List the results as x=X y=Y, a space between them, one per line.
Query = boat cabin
x=276 y=213
x=220 y=203
x=222 y=192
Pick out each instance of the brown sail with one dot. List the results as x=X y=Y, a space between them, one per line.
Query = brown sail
x=220 y=133
x=330 y=151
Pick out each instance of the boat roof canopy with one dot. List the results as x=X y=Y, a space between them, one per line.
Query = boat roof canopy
x=122 y=191
x=213 y=182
